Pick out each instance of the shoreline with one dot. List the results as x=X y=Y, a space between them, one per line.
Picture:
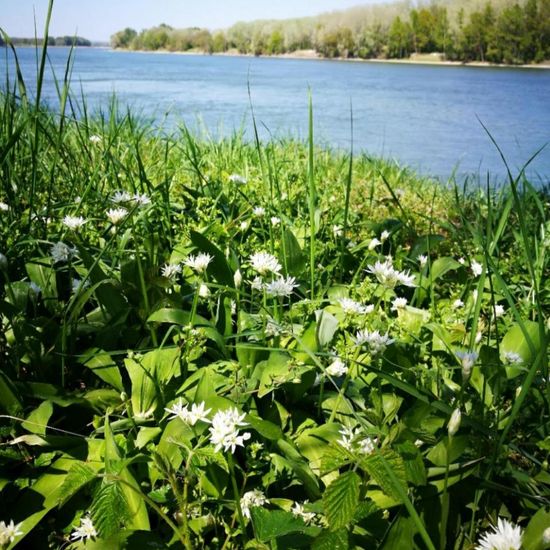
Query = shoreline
x=311 y=55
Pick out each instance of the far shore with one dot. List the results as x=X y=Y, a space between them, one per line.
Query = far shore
x=312 y=55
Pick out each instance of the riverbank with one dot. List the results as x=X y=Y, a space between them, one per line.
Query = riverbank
x=313 y=55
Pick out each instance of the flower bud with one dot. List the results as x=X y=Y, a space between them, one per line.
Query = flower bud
x=3 y=262
x=238 y=278
x=454 y=422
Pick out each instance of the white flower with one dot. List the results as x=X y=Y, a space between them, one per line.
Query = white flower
x=204 y=291
x=337 y=230
x=252 y=499
x=505 y=536
x=281 y=286
x=458 y=303
x=546 y=536
x=477 y=268
x=389 y=276
x=298 y=511
x=398 y=303
x=377 y=342
x=262 y=262
x=244 y=226
x=170 y=270
x=454 y=422
x=86 y=530
x=237 y=178
x=121 y=196
x=337 y=368
x=141 y=199
x=512 y=358
x=257 y=284
x=199 y=263
x=422 y=260
x=4 y=207
x=237 y=278
x=499 y=311
x=461 y=261
x=95 y=138
x=8 y=532
x=374 y=243
x=73 y=222
x=275 y=221
x=467 y=359
x=366 y=445
x=224 y=432
x=259 y=211
x=61 y=252
x=355 y=440
x=384 y=235
x=190 y=417
x=116 y=215
x=351 y=307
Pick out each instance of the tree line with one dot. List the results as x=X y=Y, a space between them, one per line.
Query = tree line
x=515 y=33
x=52 y=41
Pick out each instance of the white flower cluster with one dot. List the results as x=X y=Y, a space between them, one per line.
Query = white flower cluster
x=224 y=432
x=61 y=252
x=237 y=178
x=252 y=499
x=8 y=532
x=281 y=286
x=140 y=199
x=390 y=277
x=351 y=307
x=264 y=263
x=377 y=342
x=505 y=536
x=337 y=368
x=199 y=263
x=116 y=215
x=467 y=360
x=299 y=512
x=170 y=271
x=354 y=439
x=4 y=207
x=73 y=222
x=85 y=530
x=197 y=413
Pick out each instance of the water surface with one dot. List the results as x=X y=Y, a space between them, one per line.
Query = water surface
x=426 y=117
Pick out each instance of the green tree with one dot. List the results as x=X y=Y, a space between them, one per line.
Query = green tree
x=400 y=39
x=124 y=38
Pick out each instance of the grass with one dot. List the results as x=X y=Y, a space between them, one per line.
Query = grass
x=342 y=367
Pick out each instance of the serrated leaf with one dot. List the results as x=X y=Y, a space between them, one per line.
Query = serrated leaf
x=79 y=476
x=109 y=509
x=387 y=469
x=331 y=540
x=341 y=499
x=270 y=524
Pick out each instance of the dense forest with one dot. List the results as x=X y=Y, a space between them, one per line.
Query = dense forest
x=513 y=33
x=52 y=41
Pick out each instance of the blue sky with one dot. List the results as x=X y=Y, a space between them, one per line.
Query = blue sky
x=98 y=19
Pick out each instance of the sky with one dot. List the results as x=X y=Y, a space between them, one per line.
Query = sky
x=99 y=19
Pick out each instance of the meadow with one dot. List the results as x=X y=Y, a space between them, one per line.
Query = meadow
x=243 y=344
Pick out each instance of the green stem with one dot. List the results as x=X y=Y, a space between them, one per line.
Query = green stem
x=237 y=496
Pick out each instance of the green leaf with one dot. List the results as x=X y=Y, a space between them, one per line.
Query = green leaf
x=443 y=265
x=273 y=372
x=79 y=476
x=453 y=448
x=331 y=540
x=269 y=525
x=524 y=340
x=327 y=325
x=218 y=268
x=377 y=465
x=264 y=428
x=144 y=388
x=9 y=400
x=532 y=537
x=341 y=499
x=109 y=509
x=401 y=535
x=103 y=366
x=294 y=258
x=37 y=421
